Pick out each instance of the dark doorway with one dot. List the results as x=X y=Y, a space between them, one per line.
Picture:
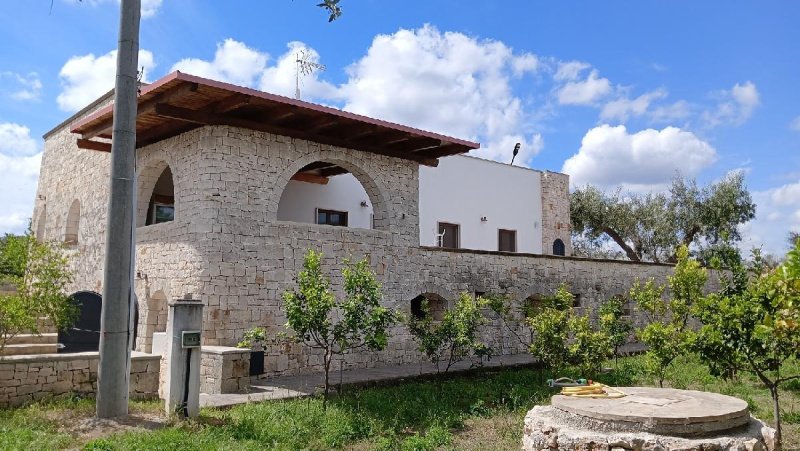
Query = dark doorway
x=84 y=335
x=559 y=248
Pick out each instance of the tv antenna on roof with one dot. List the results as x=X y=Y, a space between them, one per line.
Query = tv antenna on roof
x=304 y=66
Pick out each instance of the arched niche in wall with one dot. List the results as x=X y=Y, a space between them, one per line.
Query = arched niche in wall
x=156 y=195
x=532 y=305
x=72 y=228
x=436 y=306
x=332 y=192
x=559 y=248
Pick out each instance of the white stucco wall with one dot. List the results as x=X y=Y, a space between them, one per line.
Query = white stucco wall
x=342 y=193
x=463 y=189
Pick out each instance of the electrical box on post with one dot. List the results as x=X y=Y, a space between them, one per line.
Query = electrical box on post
x=190 y=339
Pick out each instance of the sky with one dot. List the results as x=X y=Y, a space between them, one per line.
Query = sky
x=614 y=93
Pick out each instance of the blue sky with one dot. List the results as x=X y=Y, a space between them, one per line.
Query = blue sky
x=615 y=93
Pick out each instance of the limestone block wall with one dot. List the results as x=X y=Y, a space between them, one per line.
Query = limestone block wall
x=555 y=212
x=30 y=378
x=224 y=369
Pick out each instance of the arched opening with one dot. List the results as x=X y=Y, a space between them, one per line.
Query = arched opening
x=327 y=193
x=156 y=195
x=559 y=248
x=73 y=224
x=41 y=224
x=436 y=306
x=533 y=305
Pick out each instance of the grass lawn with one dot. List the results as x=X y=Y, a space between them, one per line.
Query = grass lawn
x=480 y=411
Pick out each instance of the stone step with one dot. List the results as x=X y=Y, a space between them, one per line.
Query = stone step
x=28 y=349
x=34 y=339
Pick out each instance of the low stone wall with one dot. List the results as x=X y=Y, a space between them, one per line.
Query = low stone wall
x=224 y=369
x=28 y=378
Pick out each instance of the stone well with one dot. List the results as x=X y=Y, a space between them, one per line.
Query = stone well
x=646 y=419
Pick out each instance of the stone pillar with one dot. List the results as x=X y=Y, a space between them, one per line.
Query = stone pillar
x=184 y=315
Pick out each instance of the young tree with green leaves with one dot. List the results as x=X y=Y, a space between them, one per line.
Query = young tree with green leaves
x=614 y=323
x=455 y=337
x=756 y=329
x=319 y=320
x=667 y=334
x=40 y=274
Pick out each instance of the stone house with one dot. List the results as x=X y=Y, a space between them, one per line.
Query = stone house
x=232 y=188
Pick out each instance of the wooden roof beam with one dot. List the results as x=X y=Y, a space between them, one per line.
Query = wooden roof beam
x=205 y=118
x=88 y=144
x=231 y=103
x=103 y=128
x=310 y=178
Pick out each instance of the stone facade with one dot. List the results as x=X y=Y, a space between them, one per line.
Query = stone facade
x=227 y=248
x=556 y=223
x=24 y=379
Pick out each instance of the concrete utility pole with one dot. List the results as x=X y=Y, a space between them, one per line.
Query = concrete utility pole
x=114 y=370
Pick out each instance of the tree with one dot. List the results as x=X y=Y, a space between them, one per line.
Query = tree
x=667 y=334
x=319 y=320
x=614 y=323
x=756 y=329
x=651 y=226
x=793 y=238
x=455 y=337
x=40 y=274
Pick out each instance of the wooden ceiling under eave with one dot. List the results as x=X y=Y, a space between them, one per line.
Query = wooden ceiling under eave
x=180 y=102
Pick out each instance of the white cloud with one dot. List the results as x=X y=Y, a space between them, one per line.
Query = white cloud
x=21 y=87
x=234 y=62
x=777 y=213
x=569 y=70
x=795 y=124
x=445 y=82
x=735 y=106
x=623 y=108
x=16 y=141
x=19 y=164
x=583 y=92
x=85 y=78
x=149 y=7
x=280 y=78
x=642 y=161
x=676 y=111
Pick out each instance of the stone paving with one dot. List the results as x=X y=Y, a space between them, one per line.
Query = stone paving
x=286 y=387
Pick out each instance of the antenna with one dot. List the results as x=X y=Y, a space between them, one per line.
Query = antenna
x=304 y=66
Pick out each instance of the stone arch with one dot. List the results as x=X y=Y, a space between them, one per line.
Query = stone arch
x=532 y=304
x=437 y=305
x=72 y=229
x=152 y=180
x=375 y=191
x=41 y=224
x=559 y=248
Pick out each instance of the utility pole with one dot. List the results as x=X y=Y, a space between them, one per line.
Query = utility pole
x=115 y=347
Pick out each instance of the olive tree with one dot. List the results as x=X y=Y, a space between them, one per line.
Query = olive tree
x=317 y=319
x=757 y=329
x=39 y=273
x=651 y=226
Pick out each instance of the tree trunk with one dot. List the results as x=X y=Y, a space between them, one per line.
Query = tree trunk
x=632 y=255
x=776 y=411
x=328 y=358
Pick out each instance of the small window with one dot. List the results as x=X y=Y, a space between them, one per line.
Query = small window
x=507 y=240
x=332 y=217
x=559 y=248
x=448 y=235
x=576 y=301
x=162 y=212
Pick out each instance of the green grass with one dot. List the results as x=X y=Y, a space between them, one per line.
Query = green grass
x=473 y=411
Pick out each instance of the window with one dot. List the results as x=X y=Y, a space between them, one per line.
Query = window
x=559 y=248
x=332 y=217
x=162 y=213
x=73 y=224
x=161 y=207
x=448 y=235
x=576 y=301
x=507 y=240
